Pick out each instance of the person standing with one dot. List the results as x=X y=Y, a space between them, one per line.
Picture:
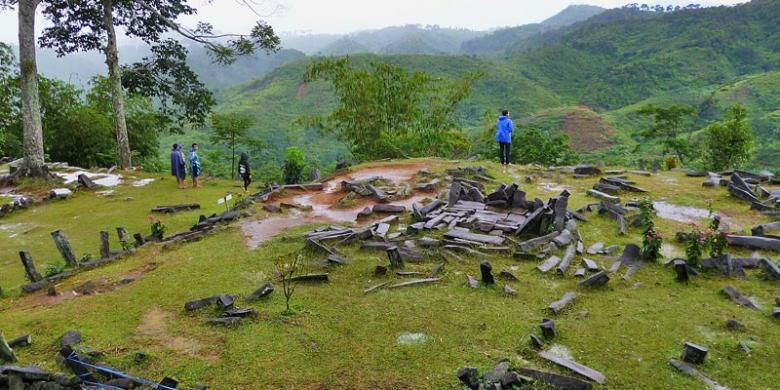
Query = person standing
x=178 y=165
x=504 y=130
x=195 y=166
x=244 y=171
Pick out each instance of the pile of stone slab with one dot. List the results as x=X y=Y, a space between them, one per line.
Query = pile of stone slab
x=229 y=314
x=503 y=376
x=375 y=188
x=31 y=377
x=18 y=203
x=750 y=187
x=616 y=185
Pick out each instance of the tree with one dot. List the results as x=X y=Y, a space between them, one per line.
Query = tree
x=82 y=25
x=386 y=111
x=669 y=124
x=533 y=146
x=294 y=162
x=729 y=144
x=229 y=130
x=34 y=164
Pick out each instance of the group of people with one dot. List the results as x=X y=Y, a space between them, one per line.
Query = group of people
x=179 y=167
x=504 y=130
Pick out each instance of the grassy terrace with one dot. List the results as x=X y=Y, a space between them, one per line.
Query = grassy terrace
x=340 y=338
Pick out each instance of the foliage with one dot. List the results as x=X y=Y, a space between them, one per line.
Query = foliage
x=165 y=76
x=54 y=269
x=231 y=130
x=533 y=146
x=696 y=243
x=287 y=270
x=670 y=129
x=729 y=144
x=294 y=162
x=652 y=241
x=158 y=229
x=383 y=107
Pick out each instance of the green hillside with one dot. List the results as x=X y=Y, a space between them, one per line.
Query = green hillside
x=605 y=68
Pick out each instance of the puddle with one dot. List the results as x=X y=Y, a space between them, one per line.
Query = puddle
x=411 y=339
x=677 y=213
x=396 y=174
x=552 y=187
x=322 y=204
x=142 y=182
x=102 y=179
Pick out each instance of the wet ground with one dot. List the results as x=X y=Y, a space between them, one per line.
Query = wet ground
x=678 y=213
x=324 y=204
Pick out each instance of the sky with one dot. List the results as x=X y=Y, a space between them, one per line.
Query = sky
x=342 y=16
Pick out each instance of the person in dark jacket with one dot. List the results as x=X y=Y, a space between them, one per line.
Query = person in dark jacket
x=244 y=171
x=178 y=165
x=195 y=170
x=504 y=130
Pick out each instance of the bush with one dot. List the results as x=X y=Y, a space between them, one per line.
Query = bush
x=533 y=146
x=729 y=144
x=294 y=163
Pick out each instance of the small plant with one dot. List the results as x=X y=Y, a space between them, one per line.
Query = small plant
x=294 y=162
x=55 y=269
x=652 y=240
x=671 y=162
x=158 y=229
x=696 y=244
x=287 y=271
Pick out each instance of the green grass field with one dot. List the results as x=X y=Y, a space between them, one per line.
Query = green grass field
x=341 y=338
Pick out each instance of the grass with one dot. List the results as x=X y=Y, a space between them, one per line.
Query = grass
x=340 y=338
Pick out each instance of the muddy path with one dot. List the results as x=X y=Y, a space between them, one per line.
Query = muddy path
x=324 y=205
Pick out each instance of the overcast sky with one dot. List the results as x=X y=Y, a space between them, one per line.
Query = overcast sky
x=339 y=16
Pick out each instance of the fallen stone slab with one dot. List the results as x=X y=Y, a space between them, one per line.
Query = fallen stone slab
x=60 y=193
x=605 y=197
x=590 y=265
x=574 y=366
x=509 y=276
x=6 y=352
x=529 y=245
x=261 y=292
x=554 y=380
x=176 y=208
x=732 y=293
x=388 y=209
x=375 y=287
x=598 y=279
x=595 y=248
x=549 y=264
x=690 y=370
x=225 y=321
x=771 y=270
x=557 y=306
x=571 y=250
x=587 y=170
x=754 y=242
x=481 y=238
x=416 y=282
x=315 y=278
x=473 y=282
x=21 y=341
x=563 y=239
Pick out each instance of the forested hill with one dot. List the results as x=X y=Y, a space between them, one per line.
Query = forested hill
x=502 y=40
x=588 y=80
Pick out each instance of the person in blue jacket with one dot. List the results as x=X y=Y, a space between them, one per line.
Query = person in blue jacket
x=195 y=166
x=177 y=165
x=504 y=130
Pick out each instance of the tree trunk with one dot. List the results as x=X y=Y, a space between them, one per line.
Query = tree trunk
x=115 y=78
x=34 y=164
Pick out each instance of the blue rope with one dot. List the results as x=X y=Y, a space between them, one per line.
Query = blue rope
x=75 y=358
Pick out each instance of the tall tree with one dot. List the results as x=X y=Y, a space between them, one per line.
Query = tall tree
x=81 y=25
x=34 y=163
x=671 y=127
x=230 y=130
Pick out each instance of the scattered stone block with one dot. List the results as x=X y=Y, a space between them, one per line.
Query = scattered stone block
x=574 y=366
x=394 y=255
x=506 y=275
x=60 y=193
x=510 y=291
x=732 y=293
x=261 y=292
x=29 y=267
x=316 y=278
x=598 y=279
x=486 y=269
x=554 y=380
x=469 y=376
x=733 y=324
x=473 y=282
x=694 y=354
x=557 y=306
x=536 y=342
x=549 y=264
x=548 y=329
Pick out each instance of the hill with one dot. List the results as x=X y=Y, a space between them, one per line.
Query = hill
x=500 y=41
x=609 y=66
x=409 y=39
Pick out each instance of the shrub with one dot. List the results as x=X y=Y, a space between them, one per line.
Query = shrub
x=294 y=162
x=534 y=146
x=157 y=228
x=729 y=144
x=55 y=269
x=652 y=241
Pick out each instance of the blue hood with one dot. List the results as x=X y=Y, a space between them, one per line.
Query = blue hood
x=504 y=129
